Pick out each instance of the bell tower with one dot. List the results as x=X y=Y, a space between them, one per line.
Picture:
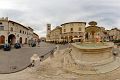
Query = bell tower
x=48 y=28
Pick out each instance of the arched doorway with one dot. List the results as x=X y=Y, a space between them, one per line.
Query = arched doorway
x=11 y=39
x=21 y=40
x=71 y=38
x=2 y=39
x=25 y=40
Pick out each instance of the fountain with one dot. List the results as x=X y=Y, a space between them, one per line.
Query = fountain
x=92 y=56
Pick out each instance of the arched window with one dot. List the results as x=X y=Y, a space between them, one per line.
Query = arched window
x=20 y=31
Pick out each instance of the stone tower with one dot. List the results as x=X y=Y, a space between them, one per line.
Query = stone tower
x=48 y=28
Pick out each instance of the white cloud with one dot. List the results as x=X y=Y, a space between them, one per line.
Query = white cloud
x=37 y=13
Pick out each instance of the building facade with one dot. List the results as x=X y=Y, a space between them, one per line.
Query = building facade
x=35 y=37
x=76 y=32
x=107 y=35
x=13 y=32
x=73 y=31
x=114 y=34
x=55 y=35
x=67 y=32
x=48 y=32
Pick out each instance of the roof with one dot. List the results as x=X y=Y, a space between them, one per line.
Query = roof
x=58 y=27
x=35 y=34
x=115 y=29
x=73 y=22
x=30 y=28
x=18 y=24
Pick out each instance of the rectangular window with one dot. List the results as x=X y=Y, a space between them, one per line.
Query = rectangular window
x=11 y=29
x=79 y=28
x=71 y=29
x=64 y=30
x=20 y=31
x=1 y=27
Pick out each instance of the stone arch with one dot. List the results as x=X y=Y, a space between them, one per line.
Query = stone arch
x=20 y=40
x=25 y=40
x=11 y=39
x=2 y=39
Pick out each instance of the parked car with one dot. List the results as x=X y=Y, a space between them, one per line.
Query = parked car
x=33 y=44
x=7 y=47
x=17 y=45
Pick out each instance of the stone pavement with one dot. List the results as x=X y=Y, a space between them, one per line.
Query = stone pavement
x=18 y=59
x=47 y=71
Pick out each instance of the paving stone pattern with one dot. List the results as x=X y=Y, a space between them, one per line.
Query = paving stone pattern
x=18 y=59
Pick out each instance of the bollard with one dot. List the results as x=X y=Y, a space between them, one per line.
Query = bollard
x=35 y=60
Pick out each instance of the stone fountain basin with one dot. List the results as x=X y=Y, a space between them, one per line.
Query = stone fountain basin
x=93 y=46
x=92 y=52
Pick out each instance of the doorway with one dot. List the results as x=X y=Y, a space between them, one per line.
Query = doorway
x=11 y=39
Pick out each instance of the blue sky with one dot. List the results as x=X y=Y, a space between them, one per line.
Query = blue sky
x=37 y=13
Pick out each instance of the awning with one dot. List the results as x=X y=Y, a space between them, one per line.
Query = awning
x=76 y=38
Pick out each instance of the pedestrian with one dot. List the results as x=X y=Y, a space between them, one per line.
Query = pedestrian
x=38 y=41
x=116 y=50
x=29 y=43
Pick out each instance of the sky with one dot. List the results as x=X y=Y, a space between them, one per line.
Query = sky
x=37 y=13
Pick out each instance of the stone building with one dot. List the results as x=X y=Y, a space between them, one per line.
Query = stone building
x=13 y=32
x=54 y=35
x=68 y=32
x=73 y=31
x=114 y=34
x=48 y=32
x=35 y=37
